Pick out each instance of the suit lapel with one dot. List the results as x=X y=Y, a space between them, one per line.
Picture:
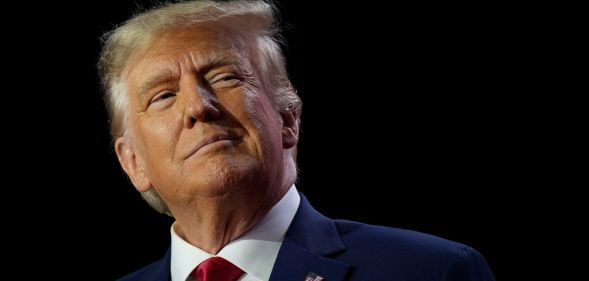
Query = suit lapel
x=309 y=240
x=294 y=263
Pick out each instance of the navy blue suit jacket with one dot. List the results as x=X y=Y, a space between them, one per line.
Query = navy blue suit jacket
x=340 y=250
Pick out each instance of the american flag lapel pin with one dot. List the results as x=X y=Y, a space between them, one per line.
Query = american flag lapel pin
x=311 y=276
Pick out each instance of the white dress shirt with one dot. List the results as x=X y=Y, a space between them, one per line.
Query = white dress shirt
x=254 y=252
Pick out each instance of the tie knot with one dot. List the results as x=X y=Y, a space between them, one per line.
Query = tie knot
x=216 y=269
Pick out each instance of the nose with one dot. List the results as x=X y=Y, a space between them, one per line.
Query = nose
x=202 y=106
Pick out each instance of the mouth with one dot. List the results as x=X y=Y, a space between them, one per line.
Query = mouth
x=211 y=140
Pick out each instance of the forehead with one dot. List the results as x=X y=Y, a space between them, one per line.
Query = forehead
x=186 y=46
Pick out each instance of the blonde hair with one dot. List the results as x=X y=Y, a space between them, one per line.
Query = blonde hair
x=252 y=18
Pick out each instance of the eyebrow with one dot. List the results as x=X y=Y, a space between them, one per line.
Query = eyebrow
x=212 y=60
x=163 y=76
x=205 y=63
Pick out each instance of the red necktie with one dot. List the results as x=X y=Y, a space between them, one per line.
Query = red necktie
x=216 y=269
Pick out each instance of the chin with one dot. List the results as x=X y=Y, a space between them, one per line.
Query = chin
x=222 y=175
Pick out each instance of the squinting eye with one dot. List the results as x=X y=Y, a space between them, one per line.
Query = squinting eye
x=225 y=80
x=163 y=96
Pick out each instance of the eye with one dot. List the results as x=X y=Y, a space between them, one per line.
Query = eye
x=225 y=80
x=163 y=96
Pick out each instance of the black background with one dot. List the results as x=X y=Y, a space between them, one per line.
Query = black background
x=413 y=117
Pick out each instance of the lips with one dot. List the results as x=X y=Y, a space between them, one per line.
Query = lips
x=209 y=140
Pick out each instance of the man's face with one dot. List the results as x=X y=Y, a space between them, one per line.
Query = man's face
x=199 y=121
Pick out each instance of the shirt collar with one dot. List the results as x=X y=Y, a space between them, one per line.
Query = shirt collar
x=263 y=242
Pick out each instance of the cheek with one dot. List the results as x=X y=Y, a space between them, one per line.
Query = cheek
x=260 y=111
x=266 y=124
x=159 y=137
x=159 y=152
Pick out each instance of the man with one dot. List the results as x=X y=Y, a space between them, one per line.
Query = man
x=206 y=124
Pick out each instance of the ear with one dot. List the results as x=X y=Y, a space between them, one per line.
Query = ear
x=132 y=164
x=290 y=129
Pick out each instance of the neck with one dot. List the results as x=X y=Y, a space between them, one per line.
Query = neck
x=211 y=223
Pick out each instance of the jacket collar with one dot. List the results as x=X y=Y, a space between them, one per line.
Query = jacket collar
x=161 y=269
x=306 y=248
